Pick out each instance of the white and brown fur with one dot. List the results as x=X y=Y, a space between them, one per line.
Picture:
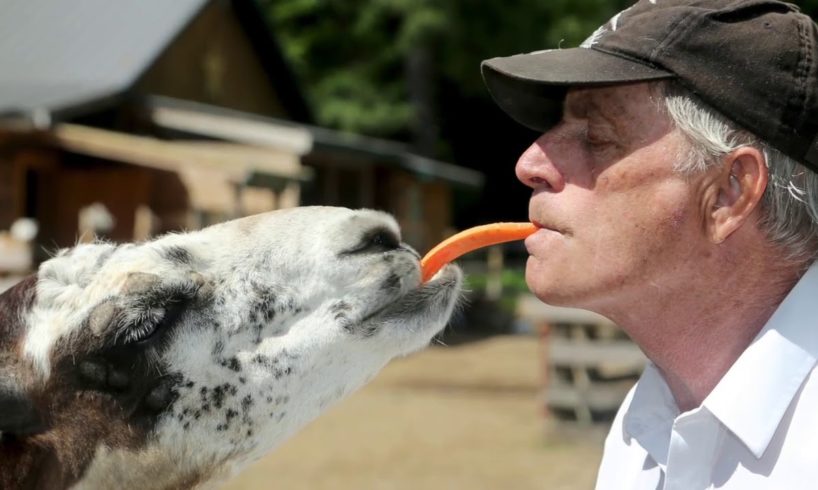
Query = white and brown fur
x=174 y=363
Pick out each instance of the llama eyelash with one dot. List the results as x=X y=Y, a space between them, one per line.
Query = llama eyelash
x=151 y=313
x=145 y=326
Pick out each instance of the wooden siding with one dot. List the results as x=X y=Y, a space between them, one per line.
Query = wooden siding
x=213 y=62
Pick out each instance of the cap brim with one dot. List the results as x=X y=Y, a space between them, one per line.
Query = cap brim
x=530 y=87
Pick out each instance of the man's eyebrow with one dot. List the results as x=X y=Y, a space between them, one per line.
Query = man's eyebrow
x=588 y=107
x=575 y=106
x=612 y=117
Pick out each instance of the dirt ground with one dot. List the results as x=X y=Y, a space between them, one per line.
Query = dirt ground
x=450 y=417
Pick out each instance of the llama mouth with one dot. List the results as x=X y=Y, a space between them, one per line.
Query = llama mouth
x=430 y=297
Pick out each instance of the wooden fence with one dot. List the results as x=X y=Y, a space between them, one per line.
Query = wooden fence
x=588 y=363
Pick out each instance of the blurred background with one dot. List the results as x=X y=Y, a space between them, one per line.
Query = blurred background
x=125 y=120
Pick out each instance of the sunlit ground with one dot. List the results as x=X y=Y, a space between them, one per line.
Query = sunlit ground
x=465 y=416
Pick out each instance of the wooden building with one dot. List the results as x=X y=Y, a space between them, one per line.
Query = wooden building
x=177 y=114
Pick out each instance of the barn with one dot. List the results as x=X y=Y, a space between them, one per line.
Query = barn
x=131 y=119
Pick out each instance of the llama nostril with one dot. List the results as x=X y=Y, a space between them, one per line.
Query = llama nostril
x=384 y=239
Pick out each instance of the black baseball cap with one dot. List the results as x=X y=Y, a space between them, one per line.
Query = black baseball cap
x=754 y=61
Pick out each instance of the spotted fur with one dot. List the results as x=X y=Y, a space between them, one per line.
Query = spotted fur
x=174 y=363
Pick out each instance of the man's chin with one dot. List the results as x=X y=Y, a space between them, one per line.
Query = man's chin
x=550 y=286
x=541 y=283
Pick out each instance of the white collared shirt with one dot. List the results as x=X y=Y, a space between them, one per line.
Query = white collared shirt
x=758 y=428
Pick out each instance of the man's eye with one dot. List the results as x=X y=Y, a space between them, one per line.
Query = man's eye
x=596 y=141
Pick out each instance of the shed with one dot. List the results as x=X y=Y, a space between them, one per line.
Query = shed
x=176 y=115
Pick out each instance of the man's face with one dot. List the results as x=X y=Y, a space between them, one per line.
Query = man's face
x=616 y=218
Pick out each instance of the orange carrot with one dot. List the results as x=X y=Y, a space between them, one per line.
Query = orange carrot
x=469 y=240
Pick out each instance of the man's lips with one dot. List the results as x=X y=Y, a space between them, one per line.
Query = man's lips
x=546 y=226
x=540 y=240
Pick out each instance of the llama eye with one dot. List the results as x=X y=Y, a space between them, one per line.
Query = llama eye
x=154 y=322
x=142 y=332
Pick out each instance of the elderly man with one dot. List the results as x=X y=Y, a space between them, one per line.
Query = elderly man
x=676 y=190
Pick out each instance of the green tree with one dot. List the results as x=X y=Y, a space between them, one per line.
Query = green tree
x=376 y=66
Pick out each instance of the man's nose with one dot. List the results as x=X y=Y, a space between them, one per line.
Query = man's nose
x=536 y=169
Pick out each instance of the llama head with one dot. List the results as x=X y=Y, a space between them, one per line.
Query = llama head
x=177 y=361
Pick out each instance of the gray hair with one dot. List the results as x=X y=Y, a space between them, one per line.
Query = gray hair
x=789 y=207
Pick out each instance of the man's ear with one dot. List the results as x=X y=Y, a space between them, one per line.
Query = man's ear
x=740 y=185
x=18 y=414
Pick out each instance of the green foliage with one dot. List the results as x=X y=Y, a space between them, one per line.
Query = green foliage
x=349 y=55
x=352 y=55
x=512 y=279
x=513 y=285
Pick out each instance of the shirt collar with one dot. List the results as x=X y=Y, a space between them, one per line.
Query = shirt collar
x=769 y=373
x=766 y=376
x=650 y=413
